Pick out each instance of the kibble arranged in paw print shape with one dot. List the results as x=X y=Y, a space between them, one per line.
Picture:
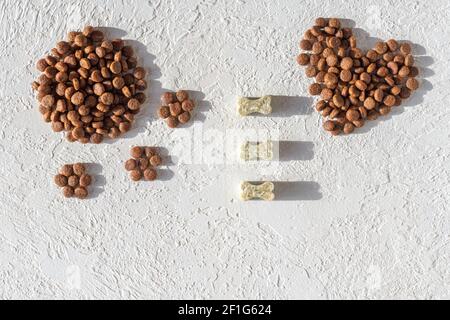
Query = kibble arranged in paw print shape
x=176 y=108
x=355 y=86
x=143 y=163
x=90 y=87
x=74 y=180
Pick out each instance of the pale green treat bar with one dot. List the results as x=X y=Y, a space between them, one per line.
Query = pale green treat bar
x=254 y=191
x=248 y=106
x=256 y=151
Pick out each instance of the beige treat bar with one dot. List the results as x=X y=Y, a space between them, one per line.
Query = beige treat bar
x=248 y=106
x=262 y=191
x=255 y=151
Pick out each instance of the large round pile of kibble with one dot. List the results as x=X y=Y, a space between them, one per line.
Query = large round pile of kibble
x=90 y=87
x=354 y=86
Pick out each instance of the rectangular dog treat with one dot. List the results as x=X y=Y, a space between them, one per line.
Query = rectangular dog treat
x=248 y=106
x=254 y=191
x=256 y=151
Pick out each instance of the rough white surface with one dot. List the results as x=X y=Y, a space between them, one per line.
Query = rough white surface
x=370 y=220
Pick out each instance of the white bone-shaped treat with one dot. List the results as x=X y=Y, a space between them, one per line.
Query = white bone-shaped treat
x=254 y=151
x=261 y=105
x=263 y=191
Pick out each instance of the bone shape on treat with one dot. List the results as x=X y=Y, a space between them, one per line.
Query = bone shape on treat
x=261 y=105
x=263 y=191
x=254 y=151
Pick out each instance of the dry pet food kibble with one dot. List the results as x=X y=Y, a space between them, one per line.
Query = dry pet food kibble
x=176 y=108
x=74 y=180
x=143 y=163
x=354 y=86
x=90 y=87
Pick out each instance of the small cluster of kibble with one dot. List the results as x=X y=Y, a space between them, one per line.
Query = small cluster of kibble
x=90 y=87
x=355 y=87
x=73 y=180
x=143 y=163
x=176 y=108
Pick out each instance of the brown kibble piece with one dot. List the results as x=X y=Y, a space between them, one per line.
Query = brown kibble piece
x=175 y=109
x=60 y=180
x=389 y=100
x=136 y=152
x=79 y=169
x=182 y=95
x=358 y=123
x=403 y=72
x=348 y=128
x=116 y=67
x=66 y=170
x=135 y=175
x=172 y=122
x=352 y=115
x=77 y=98
x=150 y=174
x=303 y=59
x=48 y=101
x=57 y=126
x=107 y=98
x=392 y=45
x=188 y=105
x=96 y=138
x=133 y=104
x=328 y=125
x=130 y=164
x=164 y=112
x=346 y=75
x=78 y=133
x=155 y=160
x=124 y=127
x=73 y=181
x=81 y=193
x=412 y=84
x=167 y=98
x=405 y=48
x=334 y=23
x=68 y=192
x=384 y=110
x=85 y=180
x=315 y=89
x=347 y=63
x=326 y=93
x=370 y=103
x=150 y=151
x=305 y=45
x=378 y=95
x=184 y=117
x=143 y=163
x=381 y=47
x=139 y=73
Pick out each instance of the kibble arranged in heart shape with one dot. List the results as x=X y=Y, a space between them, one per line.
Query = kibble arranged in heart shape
x=355 y=86
x=143 y=163
x=74 y=180
x=90 y=87
x=176 y=108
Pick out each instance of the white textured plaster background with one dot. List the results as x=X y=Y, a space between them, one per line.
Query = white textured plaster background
x=371 y=219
